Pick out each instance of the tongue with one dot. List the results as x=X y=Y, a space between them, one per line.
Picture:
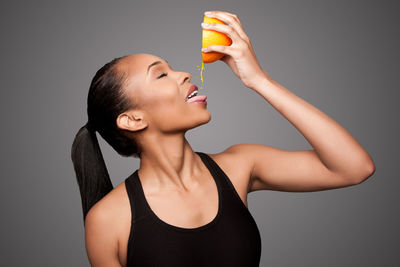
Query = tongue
x=198 y=98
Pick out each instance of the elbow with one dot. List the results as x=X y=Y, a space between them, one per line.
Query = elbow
x=369 y=170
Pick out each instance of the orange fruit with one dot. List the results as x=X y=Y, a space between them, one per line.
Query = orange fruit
x=211 y=37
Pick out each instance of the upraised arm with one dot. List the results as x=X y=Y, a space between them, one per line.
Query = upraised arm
x=336 y=160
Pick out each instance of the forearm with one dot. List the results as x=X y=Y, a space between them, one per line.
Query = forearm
x=338 y=150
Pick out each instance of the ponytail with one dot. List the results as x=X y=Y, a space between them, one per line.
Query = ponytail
x=91 y=171
x=106 y=100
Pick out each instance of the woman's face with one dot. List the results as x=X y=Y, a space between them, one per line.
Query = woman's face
x=161 y=94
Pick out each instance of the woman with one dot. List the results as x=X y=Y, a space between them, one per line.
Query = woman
x=186 y=208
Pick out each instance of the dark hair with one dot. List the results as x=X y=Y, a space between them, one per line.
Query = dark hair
x=106 y=100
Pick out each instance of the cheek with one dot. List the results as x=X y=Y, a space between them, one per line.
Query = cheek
x=166 y=103
x=166 y=108
x=159 y=99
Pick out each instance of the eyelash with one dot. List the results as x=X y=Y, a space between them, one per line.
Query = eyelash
x=162 y=75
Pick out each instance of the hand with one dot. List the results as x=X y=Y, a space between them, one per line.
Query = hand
x=239 y=56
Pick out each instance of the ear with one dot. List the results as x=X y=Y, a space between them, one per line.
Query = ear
x=131 y=120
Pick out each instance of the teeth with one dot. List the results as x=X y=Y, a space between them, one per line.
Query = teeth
x=192 y=94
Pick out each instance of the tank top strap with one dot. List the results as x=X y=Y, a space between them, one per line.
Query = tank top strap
x=136 y=198
x=138 y=204
x=216 y=171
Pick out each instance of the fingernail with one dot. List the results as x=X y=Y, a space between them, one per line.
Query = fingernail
x=204 y=49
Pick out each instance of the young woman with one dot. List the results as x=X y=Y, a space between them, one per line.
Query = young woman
x=187 y=208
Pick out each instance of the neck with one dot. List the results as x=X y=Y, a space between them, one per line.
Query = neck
x=168 y=161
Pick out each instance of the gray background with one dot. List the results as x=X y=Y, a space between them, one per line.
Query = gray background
x=341 y=56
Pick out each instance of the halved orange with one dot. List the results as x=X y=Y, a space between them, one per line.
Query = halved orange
x=211 y=37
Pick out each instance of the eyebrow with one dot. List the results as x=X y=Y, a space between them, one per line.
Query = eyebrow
x=155 y=63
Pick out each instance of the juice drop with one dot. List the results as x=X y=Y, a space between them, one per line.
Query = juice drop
x=201 y=74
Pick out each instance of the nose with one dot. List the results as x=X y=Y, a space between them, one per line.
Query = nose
x=185 y=77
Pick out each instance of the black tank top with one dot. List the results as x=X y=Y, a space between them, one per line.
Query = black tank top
x=231 y=239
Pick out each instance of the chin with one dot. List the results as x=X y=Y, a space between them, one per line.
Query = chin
x=207 y=117
x=202 y=119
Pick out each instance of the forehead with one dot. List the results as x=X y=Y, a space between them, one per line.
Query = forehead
x=137 y=64
x=135 y=68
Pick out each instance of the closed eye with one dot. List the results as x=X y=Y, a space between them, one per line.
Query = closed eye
x=162 y=75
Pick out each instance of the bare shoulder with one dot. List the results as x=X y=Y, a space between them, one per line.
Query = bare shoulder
x=236 y=158
x=106 y=223
x=234 y=161
x=112 y=210
x=109 y=208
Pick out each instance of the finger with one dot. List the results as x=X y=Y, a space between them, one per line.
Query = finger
x=228 y=30
x=216 y=12
x=230 y=19
x=228 y=50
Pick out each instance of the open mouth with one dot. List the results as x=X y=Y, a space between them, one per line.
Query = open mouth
x=193 y=96
x=201 y=99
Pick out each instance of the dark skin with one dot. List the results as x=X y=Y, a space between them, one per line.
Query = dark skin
x=175 y=180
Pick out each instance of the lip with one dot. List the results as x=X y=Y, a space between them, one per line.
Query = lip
x=191 y=90
x=202 y=99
